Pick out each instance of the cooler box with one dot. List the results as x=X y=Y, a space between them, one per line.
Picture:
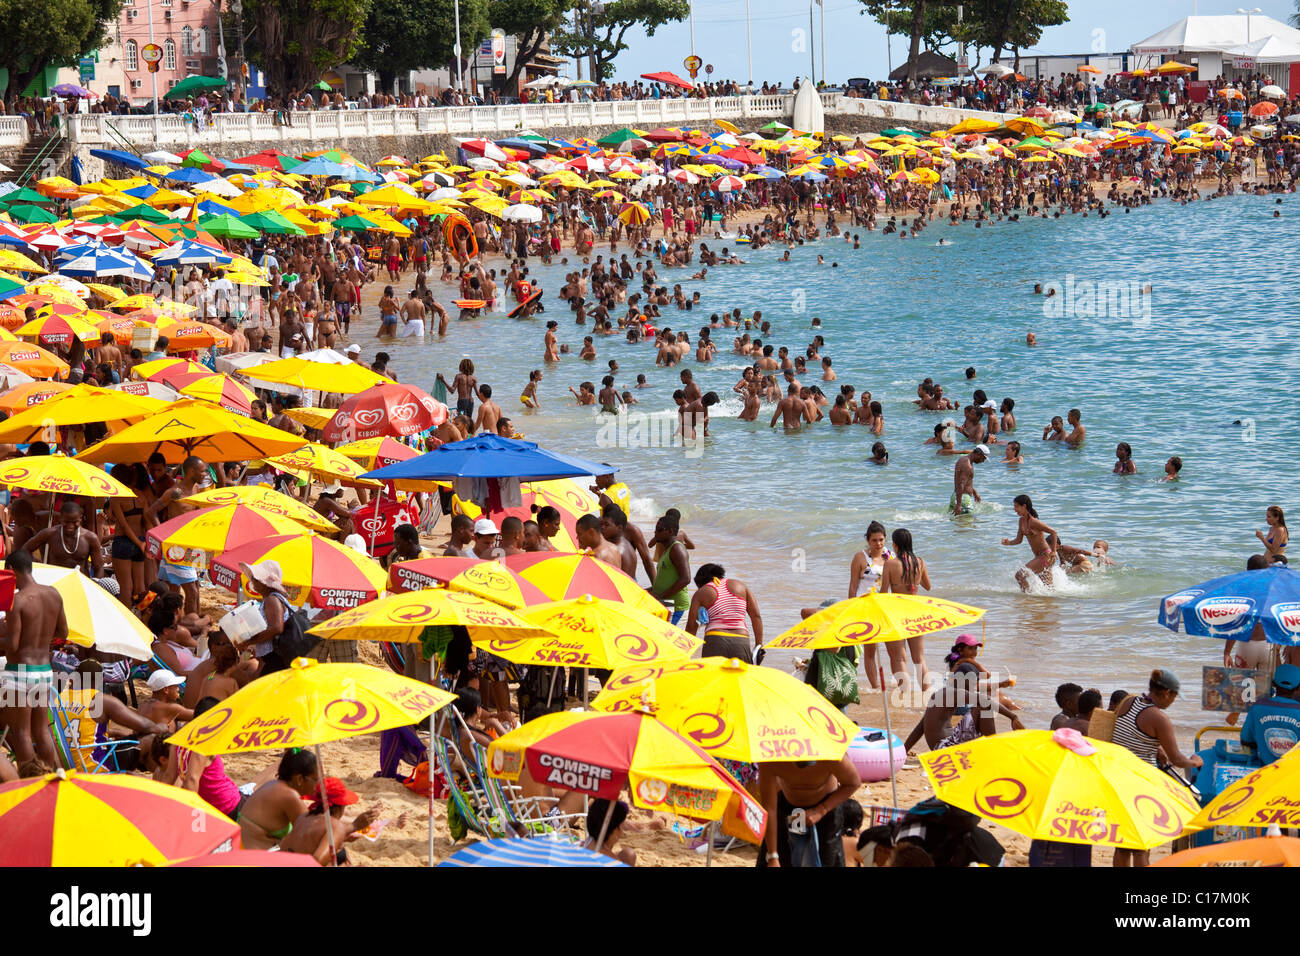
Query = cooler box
x=1224 y=764
x=144 y=339
x=377 y=521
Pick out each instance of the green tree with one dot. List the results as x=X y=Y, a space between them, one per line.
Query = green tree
x=405 y=35
x=50 y=33
x=531 y=23
x=601 y=28
x=295 y=41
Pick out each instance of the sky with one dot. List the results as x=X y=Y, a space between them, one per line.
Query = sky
x=782 y=44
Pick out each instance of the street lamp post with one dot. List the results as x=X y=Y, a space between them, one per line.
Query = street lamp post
x=460 y=70
x=238 y=9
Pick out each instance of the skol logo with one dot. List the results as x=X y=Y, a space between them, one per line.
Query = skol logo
x=1002 y=798
x=206 y=726
x=350 y=715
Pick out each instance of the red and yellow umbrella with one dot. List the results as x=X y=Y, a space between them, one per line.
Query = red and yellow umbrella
x=565 y=576
x=317 y=571
x=394 y=410
x=488 y=579
x=58 y=330
x=215 y=388
x=262 y=498
x=79 y=819
x=565 y=495
x=634 y=213
x=215 y=529
x=11 y=316
x=161 y=370
x=599 y=754
x=377 y=452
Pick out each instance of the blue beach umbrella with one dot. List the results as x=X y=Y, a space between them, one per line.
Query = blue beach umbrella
x=527 y=853
x=107 y=262
x=187 y=253
x=320 y=166
x=490 y=456
x=1229 y=607
x=189 y=174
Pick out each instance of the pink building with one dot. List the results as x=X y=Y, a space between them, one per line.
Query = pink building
x=186 y=30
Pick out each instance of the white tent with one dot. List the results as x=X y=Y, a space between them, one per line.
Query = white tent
x=1269 y=49
x=1217 y=34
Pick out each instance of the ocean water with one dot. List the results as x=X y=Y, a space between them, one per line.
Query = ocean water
x=1206 y=372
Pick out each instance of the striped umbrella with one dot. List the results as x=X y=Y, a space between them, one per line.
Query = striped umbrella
x=527 y=853
x=262 y=498
x=374 y=453
x=317 y=571
x=32 y=393
x=634 y=213
x=729 y=184
x=564 y=576
x=78 y=819
x=488 y=579
x=216 y=388
x=215 y=529
x=58 y=330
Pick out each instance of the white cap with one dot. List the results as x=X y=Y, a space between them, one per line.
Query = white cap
x=353 y=349
x=983 y=450
x=162 y=678
x=356 y=543
x=485 y=526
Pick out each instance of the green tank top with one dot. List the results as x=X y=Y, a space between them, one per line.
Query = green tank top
x=666 y=577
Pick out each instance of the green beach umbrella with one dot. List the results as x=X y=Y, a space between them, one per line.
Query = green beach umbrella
x=194 y=84
x=776 y=125
x=617 y=137
x=322 y=85
x=903 y=132
x=354 y=223
x=143 y=211
x=29 y=213
x=196 y=158
x=9 y=288
x=26 y=195
x=272 y=222
x=1033 y=142
x=227 y=225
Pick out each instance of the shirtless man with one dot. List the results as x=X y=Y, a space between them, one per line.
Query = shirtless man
x=799 y=795
x=291 y=333
x=489 y=412
x=27 y=681
x=792 y=409
x=613 y=525
x=343 y=294
x=393 y=254
x=590 y=538
x=68 y=544
x=181 y=577
x=1077 y=432
x=839 y=414
x=964 y=495
x=413 y=311
x=689 y=386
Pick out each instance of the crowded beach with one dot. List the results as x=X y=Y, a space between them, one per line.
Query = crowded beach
x=361 y=621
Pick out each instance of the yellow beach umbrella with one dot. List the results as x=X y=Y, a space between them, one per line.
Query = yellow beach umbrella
x=96 y=618
x=317 y=376
x=78 y=405
x=733 y=710
x=310 y=703
x=14 y=260
x=109 y=293
x=192 y=427
x=322 y=463
x=61 y=475
x=1062 y=787
x=875 y=619
x=592 y=632
x=141 y=300
x=403 y=618
x=316 y=418
x=262 y=498
x=1264 y=798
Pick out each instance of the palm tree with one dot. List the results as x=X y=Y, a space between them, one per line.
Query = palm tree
x=1294 y=19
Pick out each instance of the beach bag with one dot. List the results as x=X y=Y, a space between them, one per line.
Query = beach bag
x=837 y=676
x=456 y=824
x=294 y=641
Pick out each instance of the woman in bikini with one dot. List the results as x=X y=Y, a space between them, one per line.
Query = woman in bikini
x=128 y=531
x=1043 y=541
x=903 y=574
x=1275 y=541
x=267 y=816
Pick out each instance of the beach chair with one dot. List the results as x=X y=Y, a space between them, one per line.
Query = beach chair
x=526 y=815
x=466 y=791
x=97 y=756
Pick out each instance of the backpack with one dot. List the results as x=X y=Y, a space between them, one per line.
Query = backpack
x=294 y=641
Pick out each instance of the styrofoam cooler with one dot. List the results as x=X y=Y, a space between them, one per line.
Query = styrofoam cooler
x=243 y=621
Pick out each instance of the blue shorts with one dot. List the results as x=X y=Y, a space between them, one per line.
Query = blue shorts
x=177 y=573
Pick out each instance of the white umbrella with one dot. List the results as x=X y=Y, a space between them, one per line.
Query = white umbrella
x=10 y=377
x=519 y=179
x=5 y=169
x=1273 y=92
x=542 y=82
x=996 y=69
x=221 y=187
x=437 y=179
x=446 y=192
x=546 y=165
x=482 y=162
x=155 y=389
x=522 y=213
x=68 y=283
x=116 y=629
x=242 y=361
x=162 y=156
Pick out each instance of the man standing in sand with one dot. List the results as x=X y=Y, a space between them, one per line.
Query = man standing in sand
x=27 y=681
x=804 y=802
x=964 y=495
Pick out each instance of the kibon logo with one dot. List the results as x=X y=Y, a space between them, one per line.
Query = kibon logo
x=405 y=412
x=367 y=417
x=353 y=716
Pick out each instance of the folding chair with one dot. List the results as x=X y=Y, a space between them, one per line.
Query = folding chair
x=97 y=756
x=525 y=814
x=469 y=799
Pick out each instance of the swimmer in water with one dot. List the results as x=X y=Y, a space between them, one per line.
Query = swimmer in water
x=879 y=454
x=1172 y=468
x=1043 y=542
x=1082 y=561
x=1124 y=464
x=1031 y=339
x=1013 y=456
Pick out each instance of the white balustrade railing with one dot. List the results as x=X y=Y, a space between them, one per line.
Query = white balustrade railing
x=13 y=131
x=90 y=129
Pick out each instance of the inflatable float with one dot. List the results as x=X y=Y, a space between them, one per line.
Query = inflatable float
x=460 y=235
x=870 y=754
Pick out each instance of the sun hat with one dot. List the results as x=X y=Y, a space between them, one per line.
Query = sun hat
x=163 y=678
x=356 y=543
x=264 y=572
x=485 y=526
x=331 y=489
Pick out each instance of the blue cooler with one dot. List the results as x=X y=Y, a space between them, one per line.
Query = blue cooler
x=1226 y=762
